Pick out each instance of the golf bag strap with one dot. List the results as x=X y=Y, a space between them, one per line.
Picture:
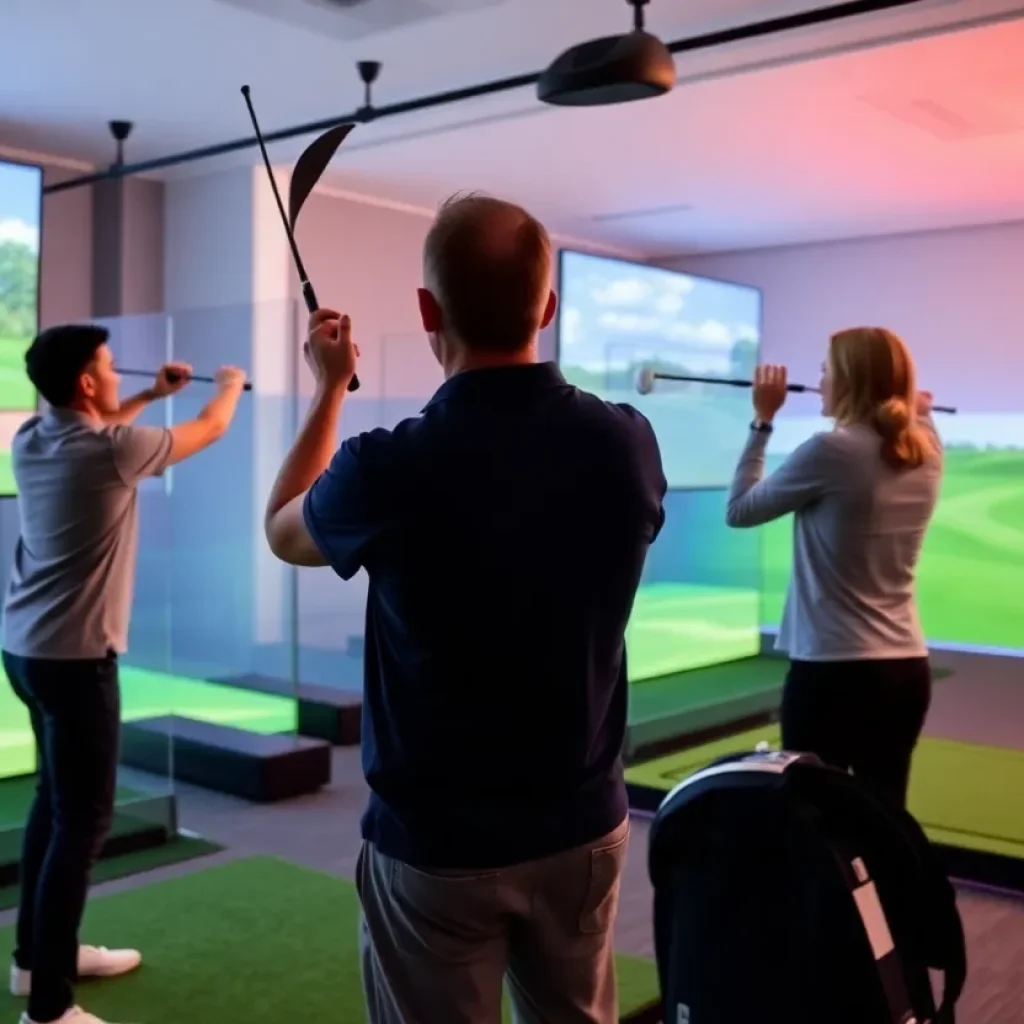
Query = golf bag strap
x=887 y=959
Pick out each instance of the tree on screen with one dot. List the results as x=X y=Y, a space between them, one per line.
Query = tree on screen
x=18 y=274
x=744 y=357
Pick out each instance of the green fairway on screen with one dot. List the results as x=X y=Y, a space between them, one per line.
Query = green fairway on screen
x=20 y=208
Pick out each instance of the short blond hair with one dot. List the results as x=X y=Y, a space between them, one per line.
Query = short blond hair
x=488 y=263
x=874 y=383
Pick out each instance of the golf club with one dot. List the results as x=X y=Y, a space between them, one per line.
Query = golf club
x=646 y=377
x=308 y=168
x=174 y=377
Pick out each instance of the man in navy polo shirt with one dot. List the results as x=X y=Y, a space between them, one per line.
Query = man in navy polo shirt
x=504 y=531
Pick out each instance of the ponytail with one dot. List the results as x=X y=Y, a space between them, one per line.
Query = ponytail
x=905 y=443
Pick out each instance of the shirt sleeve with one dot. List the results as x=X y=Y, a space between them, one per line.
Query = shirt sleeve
x=140 y=451
x=347 y=507
x=647 y=456
x=802 y=479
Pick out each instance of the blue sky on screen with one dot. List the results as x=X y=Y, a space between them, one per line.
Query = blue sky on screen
x=20 y=200
x=610 y=309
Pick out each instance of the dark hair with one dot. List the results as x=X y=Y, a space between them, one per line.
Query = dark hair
x=58 y=356
x=490 y=263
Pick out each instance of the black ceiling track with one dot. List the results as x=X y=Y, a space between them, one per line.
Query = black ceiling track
x=739 y=33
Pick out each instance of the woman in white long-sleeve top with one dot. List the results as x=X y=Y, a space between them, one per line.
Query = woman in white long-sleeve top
x=859 y=683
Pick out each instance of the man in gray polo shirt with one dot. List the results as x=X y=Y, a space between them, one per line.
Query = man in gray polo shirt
x=66 y=614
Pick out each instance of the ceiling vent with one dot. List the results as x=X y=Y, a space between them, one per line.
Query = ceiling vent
x=355 y=19
x=647 y=213
x=958 y=117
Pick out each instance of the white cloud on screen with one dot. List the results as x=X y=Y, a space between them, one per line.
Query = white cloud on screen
x=15 y=230
x=624 y=292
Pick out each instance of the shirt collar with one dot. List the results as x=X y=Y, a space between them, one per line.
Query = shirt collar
x=498 y=380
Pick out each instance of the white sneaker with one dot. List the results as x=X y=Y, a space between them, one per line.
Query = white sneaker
x=93 y=962
x=76 y=1015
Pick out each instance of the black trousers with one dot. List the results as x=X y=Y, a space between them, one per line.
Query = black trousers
x=75 y=708
x=861 y=715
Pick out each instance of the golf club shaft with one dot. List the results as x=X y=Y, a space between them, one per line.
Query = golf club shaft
x=308 y=295
x=307 y=290
x=737 y=383
x=173 y=377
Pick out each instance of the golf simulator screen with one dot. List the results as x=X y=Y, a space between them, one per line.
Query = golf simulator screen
x=699 y=599
x=21 y=191
x=617 y=318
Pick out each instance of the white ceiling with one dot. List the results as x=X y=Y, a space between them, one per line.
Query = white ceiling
x=887 y=123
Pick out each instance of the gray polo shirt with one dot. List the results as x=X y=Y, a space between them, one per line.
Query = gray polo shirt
x=859 y=526
x=70 y=592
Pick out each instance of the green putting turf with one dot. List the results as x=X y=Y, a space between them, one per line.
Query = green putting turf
x=16 y=797
x=679 y=626
x=973 y=555
x=963 y=794
x=257 y=940
x=146 y=694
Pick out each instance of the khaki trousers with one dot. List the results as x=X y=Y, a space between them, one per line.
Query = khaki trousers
x=438 y=945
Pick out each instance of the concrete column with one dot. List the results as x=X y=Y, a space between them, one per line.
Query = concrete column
x=127 y=247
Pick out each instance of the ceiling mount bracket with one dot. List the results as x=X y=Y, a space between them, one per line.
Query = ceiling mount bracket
x=120 y=130
x=369 y=72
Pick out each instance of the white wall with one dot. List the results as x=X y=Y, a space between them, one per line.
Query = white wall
x=65 y=281
x=208 y=241
x=955 y=296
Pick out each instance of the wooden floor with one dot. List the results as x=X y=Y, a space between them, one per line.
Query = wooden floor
x=323 y=832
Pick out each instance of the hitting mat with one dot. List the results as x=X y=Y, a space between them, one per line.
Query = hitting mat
x=965 y=795
x=257 y=940
x=177 y=851
x=709 y=698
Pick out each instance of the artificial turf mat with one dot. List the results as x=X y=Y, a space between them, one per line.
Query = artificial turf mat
x=705 y=687
x=176 y=851
x=964 y=795
x=16 y=797
x=710 y=698
x=258 y=941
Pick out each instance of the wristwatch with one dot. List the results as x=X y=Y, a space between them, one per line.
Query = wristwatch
x=761 y=427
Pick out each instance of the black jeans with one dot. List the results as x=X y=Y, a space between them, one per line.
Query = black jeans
x=861 y=715
x=75 y=708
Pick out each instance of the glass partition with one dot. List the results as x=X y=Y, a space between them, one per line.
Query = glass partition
x=232 y=603
x=145 y=793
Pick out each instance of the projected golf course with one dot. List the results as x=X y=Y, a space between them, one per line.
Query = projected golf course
x=973 y=557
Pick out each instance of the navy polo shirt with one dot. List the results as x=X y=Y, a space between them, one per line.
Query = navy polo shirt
x=504 y=531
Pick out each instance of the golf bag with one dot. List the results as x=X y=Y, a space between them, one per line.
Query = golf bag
x=785 y=892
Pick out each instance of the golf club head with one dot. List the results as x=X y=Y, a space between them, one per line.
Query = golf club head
x=645 y=380
x=310 y=166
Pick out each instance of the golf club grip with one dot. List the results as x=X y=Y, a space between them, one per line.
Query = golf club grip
x=309 y=297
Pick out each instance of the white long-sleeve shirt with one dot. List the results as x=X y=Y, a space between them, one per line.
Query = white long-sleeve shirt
x=858 y=530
